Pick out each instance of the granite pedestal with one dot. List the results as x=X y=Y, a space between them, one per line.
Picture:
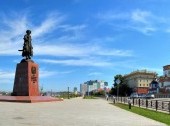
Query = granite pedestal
x=26 y=86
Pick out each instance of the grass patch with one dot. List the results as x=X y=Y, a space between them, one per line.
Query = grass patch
x=158 y=116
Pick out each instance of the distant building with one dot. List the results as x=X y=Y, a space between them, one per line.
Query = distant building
x=154 y=86
x=92 y=86
x=164 y=81
x=75 y=90
x=83 y=89
x=140 y=80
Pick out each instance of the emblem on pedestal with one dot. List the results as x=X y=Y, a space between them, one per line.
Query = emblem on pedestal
x=33 y=70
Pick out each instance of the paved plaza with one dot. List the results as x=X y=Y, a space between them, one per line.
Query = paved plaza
x=73 y=112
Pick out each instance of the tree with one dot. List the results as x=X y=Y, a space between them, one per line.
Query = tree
x=113 y=91
x=125 y=90
x=122 y=87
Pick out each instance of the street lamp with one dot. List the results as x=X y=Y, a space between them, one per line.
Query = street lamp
x=117 y=82
x=68 y=93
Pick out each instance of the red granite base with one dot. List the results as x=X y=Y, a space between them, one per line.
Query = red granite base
x=26 y=81
x=28 y=99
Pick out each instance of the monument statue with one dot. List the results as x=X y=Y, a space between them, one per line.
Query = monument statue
x=26 y=82
x=27 y=50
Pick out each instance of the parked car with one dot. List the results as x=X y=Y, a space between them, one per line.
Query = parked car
x=134 y=95
x=141 y=95
x=150 y=96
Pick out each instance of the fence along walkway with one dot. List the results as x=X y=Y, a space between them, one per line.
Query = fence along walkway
x=145 y=103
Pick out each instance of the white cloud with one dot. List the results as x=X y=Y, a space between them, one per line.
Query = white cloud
x=14 y=25
x=7 y=77
x=47 y=73
x=84 y=53
x=14 y=28
x=95 y=74
x=140 y=20
x=6 y=74
x=141 y=16
x=116 y=52
x=73 y=28
x=79 y=50
x=143 y=21
x=48 y=25
x=12 y=38
x=60 y=50
x=78 y=62
x=147 y=30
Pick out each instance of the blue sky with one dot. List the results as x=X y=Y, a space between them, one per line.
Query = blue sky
x=79 y=40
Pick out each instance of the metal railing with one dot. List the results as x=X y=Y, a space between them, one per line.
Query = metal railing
x=157 y=105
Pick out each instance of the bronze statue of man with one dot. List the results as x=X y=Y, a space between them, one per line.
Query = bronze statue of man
x=27 y=47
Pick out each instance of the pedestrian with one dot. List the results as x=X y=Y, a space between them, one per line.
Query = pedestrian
x=107 y=97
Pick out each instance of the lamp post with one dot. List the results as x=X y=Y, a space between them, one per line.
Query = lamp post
x=68 y=93
x=41 y=90
x=51 y=93
x=117 y=82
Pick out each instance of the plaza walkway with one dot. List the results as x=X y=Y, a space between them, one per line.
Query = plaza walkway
x=73 y=112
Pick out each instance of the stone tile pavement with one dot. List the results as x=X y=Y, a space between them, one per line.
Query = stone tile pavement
x=73 y=112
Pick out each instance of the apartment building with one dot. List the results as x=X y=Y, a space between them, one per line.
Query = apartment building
x=92 y=86
x=83 y=89
x=140 y=80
